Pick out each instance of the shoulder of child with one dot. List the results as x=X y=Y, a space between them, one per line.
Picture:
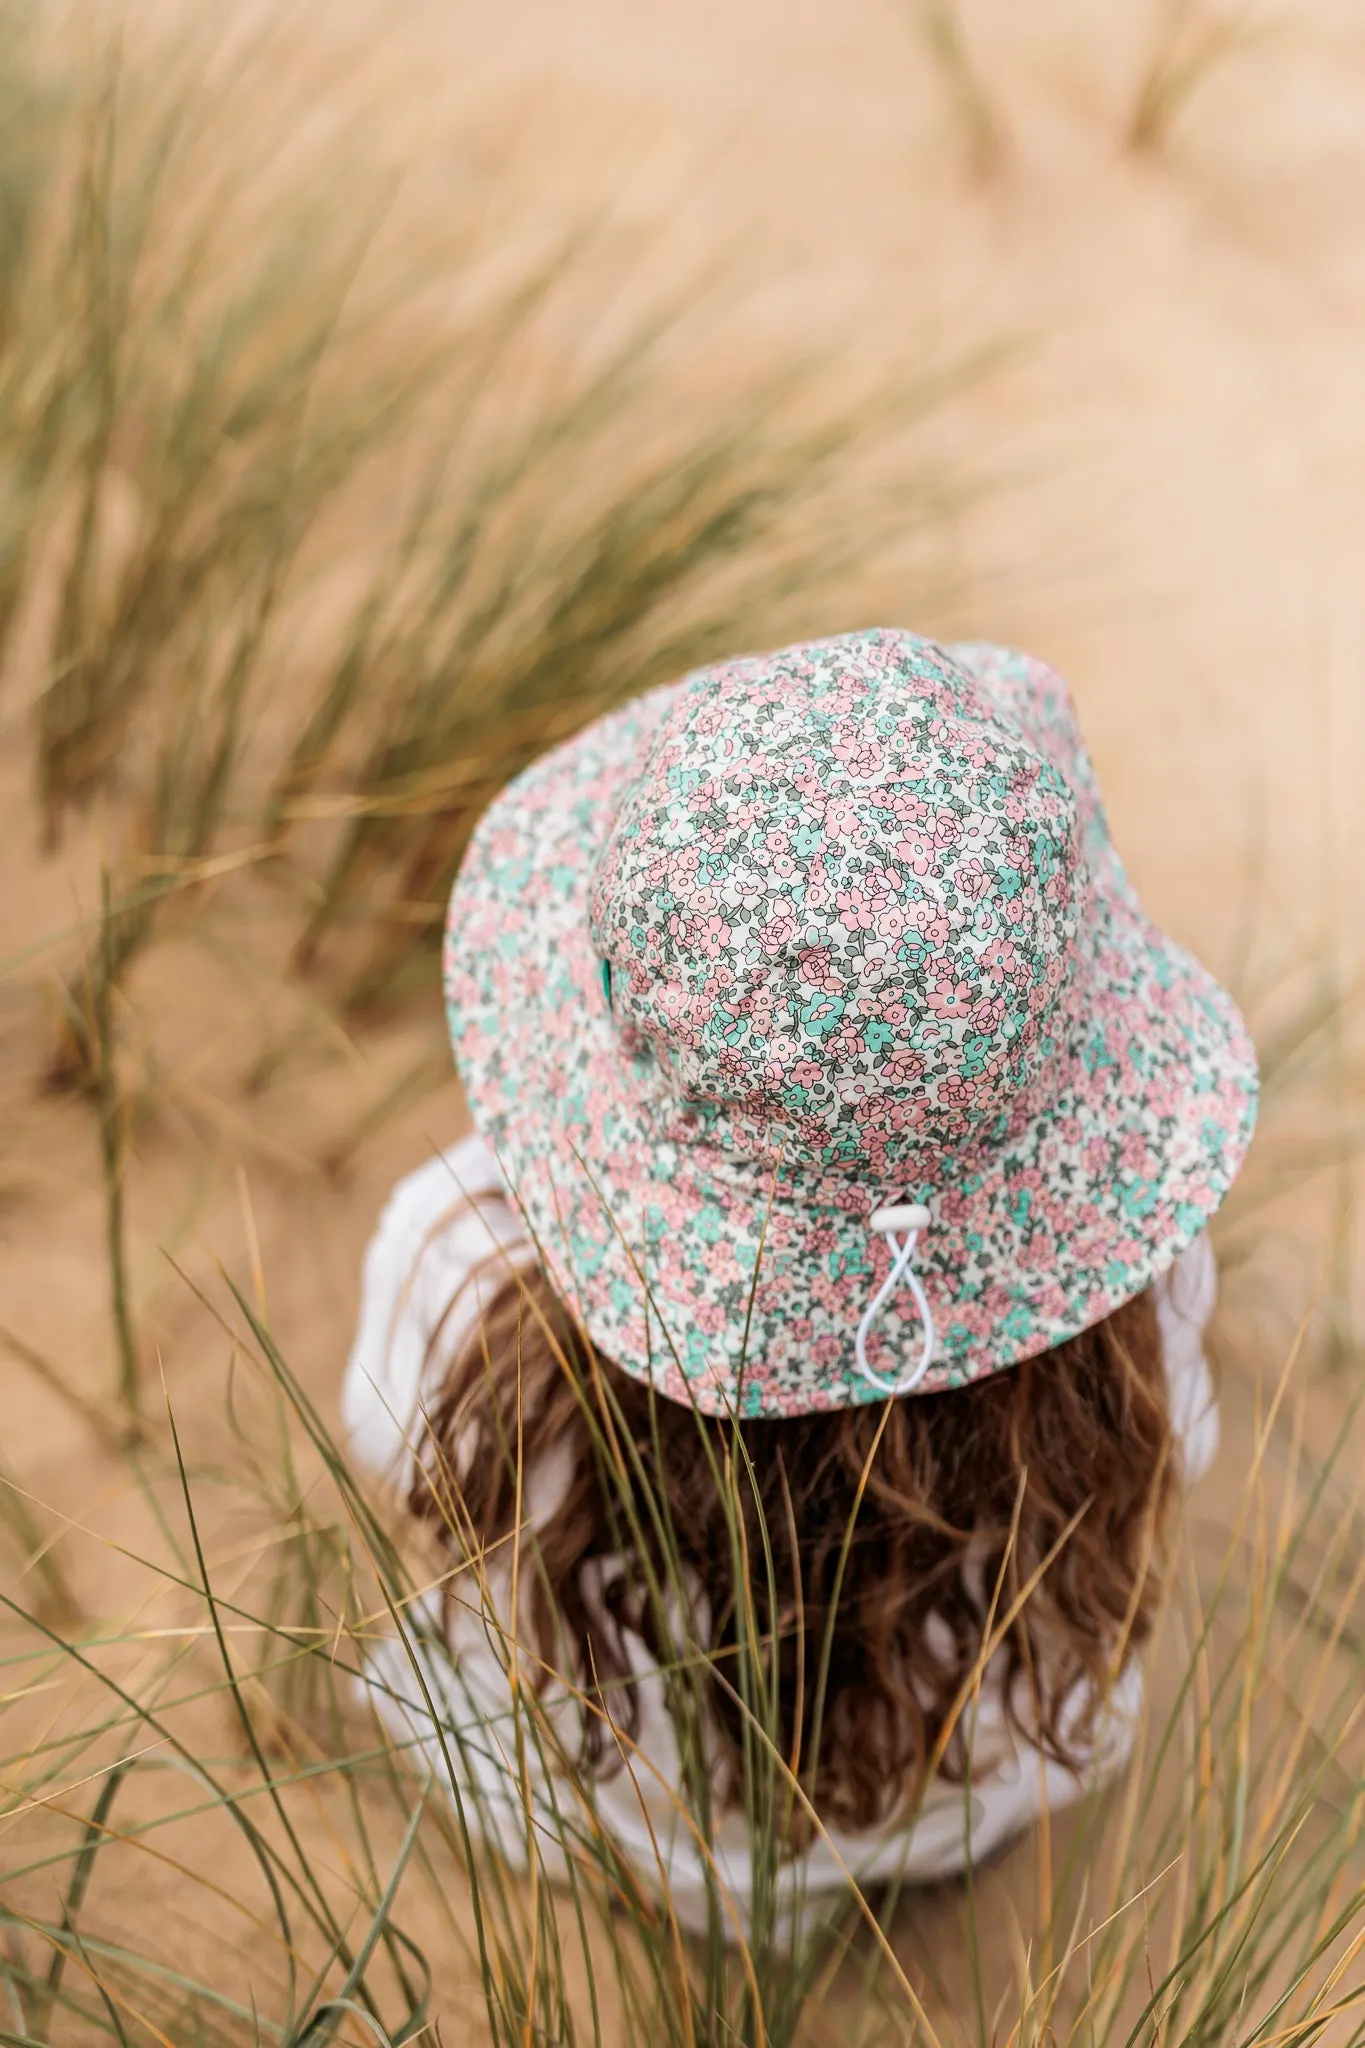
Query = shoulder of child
x=1185 y=1298
x=441 y=1225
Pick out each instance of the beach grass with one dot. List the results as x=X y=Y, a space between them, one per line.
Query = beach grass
x=219 y=1823
x=1191 y=42
x=293 y=575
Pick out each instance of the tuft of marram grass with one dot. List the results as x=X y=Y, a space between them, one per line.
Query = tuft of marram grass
x=296 y=567
x=978 y=119
x=221 y=1754
x=210 y=1835
x=1191 y=42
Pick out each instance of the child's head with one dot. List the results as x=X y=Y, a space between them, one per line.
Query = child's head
x=1061 y=1472
x=807 y=938
x=829 y=1055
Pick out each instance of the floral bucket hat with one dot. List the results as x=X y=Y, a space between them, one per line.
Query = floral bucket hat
x=820 y=1035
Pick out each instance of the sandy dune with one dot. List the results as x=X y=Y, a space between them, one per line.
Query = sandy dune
x=1171 y=460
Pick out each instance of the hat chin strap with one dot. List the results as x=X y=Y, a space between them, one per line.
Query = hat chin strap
x=912 y=1218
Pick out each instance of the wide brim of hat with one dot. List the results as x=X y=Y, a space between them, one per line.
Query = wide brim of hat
x=729 y=1287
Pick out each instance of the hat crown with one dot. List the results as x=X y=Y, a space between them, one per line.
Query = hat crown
x=841 y=903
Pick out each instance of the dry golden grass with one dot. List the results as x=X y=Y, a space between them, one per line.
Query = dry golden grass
x=300 y=556
x=1191 y=42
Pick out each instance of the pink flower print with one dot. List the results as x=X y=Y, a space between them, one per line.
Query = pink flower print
x=855 y=1088
x=807 y=1073
x=815 y=966
x=701 y=901
x=874 y=965
x=1194 y=1187
x=999 y=956
x=777 y=841
x=1134 y=1155
x=778 y=932
x=916 y=851
x=846 y=1044
x=902 y=1067
x=973 y=879
x=988 y=1015
x=824 y=1291
x=956 y=1092
x=1051 y=1301
x=950 y=998
x=711 y=935
x=723 y=1265
x=952 y=1207
x=859 y=755
x=947 y=828
x=934 y=930
x=1163 y=1095
x=855 y=910
x=784 y=867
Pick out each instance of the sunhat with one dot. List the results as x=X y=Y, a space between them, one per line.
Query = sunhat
x=818 y=1031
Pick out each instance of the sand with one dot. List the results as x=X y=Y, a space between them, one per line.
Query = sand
x=1171 y=509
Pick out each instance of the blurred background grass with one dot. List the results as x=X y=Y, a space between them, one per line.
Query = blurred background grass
x=375 y=407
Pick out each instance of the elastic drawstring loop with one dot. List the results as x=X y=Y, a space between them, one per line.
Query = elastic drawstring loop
x=912 y=1218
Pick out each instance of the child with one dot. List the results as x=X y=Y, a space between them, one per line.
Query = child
x=830 y=1083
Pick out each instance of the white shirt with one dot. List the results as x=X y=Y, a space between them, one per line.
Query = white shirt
x=448 y=1235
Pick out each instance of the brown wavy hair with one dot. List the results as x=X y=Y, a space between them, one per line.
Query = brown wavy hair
x=870 y=1551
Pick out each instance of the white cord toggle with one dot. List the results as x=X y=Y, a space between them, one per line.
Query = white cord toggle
x=912 y=1218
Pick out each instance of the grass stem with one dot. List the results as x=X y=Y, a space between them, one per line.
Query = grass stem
x=113 y=1120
